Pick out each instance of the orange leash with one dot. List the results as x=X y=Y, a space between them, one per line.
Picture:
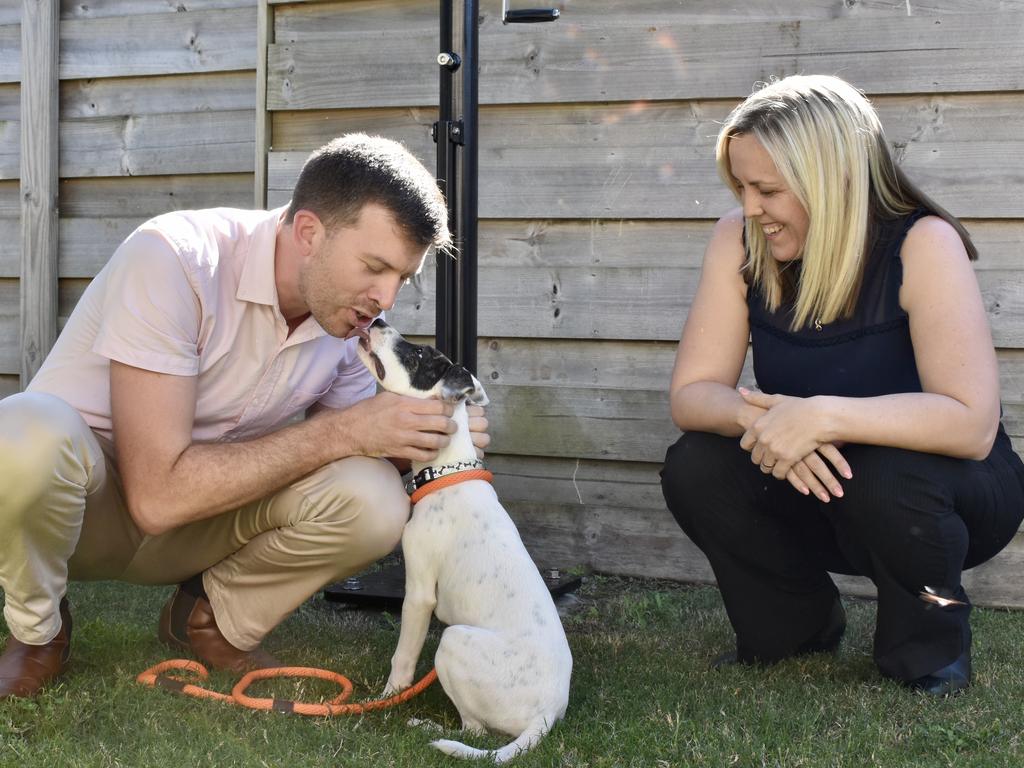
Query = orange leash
x=156 y=676
x=447 y=480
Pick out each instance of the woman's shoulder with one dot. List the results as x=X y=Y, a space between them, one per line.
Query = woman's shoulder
x=931 y=240
x=932 y=254
x=726 y=245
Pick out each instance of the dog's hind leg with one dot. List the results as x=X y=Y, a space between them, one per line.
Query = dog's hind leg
x=478 y=670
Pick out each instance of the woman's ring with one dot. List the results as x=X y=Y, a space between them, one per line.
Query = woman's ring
x=767 y=466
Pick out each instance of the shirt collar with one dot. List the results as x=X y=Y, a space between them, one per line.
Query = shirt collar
x=257 y=283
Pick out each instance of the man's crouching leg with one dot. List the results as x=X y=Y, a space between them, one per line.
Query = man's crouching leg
x=50 y=464
x=322 y=528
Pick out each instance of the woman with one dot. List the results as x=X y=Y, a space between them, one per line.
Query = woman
x=874 y=446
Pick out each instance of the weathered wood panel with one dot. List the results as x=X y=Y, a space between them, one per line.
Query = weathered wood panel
x=630 y=302
x=9 y=384
x=124 y=126
x=610 y=516
x=130 y=197
x=10 y=331
x=308 y=19
x=663 y=57
x=656 y=160
x=147 y=44
x=551 y=244
x=38 y=184
x=157 y=95
x=149 y=145
x=10 y=10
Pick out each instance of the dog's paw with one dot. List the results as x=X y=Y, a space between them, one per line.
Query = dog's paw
x=396 y=684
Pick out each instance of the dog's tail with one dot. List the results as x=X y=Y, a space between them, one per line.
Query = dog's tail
x=526 y=741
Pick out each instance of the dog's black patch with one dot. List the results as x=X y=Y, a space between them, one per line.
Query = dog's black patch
x=425 y=365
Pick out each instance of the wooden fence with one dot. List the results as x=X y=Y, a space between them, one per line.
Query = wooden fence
x=151 y=104
x=598 y=191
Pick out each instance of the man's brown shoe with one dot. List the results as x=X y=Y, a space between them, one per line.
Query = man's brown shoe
x=188 y=624
x=26 y=669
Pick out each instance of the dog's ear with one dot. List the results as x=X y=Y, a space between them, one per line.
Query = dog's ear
x=458 y=383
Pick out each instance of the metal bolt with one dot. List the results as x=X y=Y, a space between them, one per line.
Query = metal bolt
x=552 y=573
x=353 y=584
x=449 y=60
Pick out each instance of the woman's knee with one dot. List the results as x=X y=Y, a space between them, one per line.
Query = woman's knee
x=891 y=483
x=696 y=466
x=899 y=508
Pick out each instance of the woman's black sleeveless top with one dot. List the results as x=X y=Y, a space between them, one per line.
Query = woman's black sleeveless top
x=867 y=354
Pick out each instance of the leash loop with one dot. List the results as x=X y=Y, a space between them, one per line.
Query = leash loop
x=156 y=676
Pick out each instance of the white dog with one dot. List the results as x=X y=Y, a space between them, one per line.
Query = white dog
x=503 y=659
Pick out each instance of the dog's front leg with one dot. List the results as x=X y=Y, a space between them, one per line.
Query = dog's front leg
x=417 y=608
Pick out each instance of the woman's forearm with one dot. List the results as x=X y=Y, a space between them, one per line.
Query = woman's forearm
x=917 y=421
x=709 y=406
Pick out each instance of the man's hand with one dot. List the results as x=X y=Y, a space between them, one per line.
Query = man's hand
x=478 y=429
x=390 y=425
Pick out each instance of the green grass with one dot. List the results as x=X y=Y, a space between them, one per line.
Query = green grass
x=642 y=695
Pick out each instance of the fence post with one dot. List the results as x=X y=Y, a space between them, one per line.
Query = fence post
x=265 y=38
x=40 y=105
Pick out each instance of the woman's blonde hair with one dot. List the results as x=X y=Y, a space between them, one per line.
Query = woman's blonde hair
x=827 y=143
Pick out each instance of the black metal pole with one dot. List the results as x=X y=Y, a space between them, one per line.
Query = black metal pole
x=467 y=262
x=445 y=298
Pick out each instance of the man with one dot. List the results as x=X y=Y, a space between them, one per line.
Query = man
x=159 y=442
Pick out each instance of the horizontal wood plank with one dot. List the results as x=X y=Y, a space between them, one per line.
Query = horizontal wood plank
x=100 y=9
x=299 y=20
x=156 y=95
x=656 y=160
x=579 y=60
x=87 y=243
x=150 y=145
x=148 y=196
x=629 y=303
x=146 y=44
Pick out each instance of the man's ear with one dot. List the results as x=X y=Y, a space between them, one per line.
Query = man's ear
x=308 y=230
x=458 y=383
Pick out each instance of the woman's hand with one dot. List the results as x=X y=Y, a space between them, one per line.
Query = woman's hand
x=812 y=475
x=785 y=441
x=785 y=433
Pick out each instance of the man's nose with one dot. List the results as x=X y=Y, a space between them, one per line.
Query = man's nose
x=385 y=294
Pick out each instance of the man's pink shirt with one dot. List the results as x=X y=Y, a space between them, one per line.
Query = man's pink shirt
x=192 y=293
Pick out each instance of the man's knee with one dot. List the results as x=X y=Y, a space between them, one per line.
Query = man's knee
x=42 y=440
x=367 y=496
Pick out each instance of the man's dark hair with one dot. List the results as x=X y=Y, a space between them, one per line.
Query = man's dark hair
x=344 y=175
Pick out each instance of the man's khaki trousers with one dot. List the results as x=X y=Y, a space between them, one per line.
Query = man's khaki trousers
x=63 y=517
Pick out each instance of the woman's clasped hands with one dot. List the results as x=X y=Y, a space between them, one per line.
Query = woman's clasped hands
x=784 y=441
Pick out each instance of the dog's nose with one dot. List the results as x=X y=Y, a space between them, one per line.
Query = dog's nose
x=378 y=323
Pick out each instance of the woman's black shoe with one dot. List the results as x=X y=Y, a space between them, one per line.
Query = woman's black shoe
x=949 y=680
